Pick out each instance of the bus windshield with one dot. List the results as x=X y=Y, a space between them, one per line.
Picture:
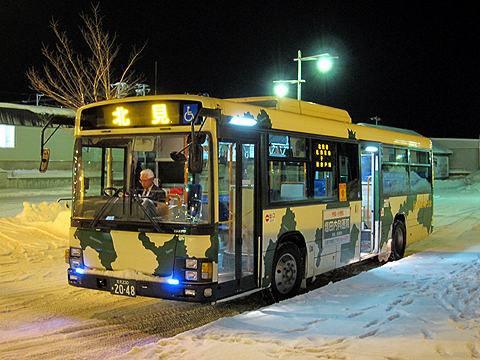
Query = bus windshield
x=107 y=188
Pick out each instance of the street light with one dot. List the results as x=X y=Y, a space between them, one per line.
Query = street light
x=281 y=90
x=324 y=64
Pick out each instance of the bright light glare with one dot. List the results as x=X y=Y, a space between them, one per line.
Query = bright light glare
x=80 y=271
x=173 y=281
x=281 y=90
x=243 y=121
x=324 y=64
x=371 y=148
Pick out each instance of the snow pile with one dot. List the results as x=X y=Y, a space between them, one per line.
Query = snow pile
x=41 y=212
x=37 y=232
x=443 y=185
x=54 y=217
x=473 y=178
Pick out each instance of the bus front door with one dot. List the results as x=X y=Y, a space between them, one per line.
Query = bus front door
x=237 y=192
x=370 y=202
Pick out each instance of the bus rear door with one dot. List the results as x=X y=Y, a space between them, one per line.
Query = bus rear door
x=370 y=201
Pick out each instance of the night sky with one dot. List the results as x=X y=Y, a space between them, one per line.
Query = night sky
x=412 y=65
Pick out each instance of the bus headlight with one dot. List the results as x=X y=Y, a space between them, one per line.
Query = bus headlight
x=75 y=258
x=191 y=275
x=75 y=252
x=76 y=263
x=191 y=264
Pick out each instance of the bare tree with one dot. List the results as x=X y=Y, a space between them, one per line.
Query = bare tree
x=74 y=80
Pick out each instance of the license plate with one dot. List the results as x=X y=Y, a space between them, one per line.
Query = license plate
x=123 y=287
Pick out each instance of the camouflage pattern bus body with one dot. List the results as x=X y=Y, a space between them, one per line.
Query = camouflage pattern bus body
x=147 y=253
x=331 y=233
x=415 y=210
x=328 y=249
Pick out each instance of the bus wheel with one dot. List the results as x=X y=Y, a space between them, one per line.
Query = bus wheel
x=287 y=272
x=399 y=240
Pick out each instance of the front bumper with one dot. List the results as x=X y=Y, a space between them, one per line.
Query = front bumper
x=182 y=292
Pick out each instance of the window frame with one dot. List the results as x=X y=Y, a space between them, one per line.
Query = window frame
x=409 y=165
x=308 y=161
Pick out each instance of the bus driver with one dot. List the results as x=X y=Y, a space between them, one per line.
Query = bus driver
x=152 y=191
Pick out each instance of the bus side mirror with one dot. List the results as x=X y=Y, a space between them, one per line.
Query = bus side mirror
x=45 y=159
x=195 y=159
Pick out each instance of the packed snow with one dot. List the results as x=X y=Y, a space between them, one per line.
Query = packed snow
x=425 y=306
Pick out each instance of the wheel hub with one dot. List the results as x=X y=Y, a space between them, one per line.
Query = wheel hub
x=286 y=273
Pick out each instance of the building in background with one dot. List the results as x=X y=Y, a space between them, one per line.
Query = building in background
x=464 y=157
x=441 y=160
x=20 y=146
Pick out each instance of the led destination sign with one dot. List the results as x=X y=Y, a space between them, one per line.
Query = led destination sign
x=323 y=156
x=139 y=114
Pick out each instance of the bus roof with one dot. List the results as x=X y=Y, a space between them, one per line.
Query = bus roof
x=320 y=119
x=296 y=107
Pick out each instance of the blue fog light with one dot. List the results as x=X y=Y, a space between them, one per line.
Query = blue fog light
x=80 y=271
x=173 y=281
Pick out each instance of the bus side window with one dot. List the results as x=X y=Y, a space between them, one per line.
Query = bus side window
x=349 y=169
x=395 y=179
x=287 y=180
x=323 y=183
x=325 y=168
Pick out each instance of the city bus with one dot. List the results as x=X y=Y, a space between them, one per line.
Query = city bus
x=259 y=193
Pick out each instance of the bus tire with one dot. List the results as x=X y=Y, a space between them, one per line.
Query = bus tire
x=287 y=271
x=399 y=240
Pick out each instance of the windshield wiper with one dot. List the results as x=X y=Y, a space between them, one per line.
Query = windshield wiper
x=97 y=217
x=141 y=202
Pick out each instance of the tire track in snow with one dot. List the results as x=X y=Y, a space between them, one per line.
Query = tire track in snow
x=119 y=329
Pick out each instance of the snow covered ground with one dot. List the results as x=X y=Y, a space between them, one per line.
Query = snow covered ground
x=426 y=306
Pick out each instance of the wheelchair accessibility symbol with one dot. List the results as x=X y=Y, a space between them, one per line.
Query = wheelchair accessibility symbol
x=189 y=112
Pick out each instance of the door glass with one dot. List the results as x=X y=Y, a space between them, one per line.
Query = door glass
x=248 y=185
x=369 y=230
x=226 y=228
x=236 y=230
x=367 y=190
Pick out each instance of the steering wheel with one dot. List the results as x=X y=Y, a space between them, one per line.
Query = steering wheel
x=116 y=191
